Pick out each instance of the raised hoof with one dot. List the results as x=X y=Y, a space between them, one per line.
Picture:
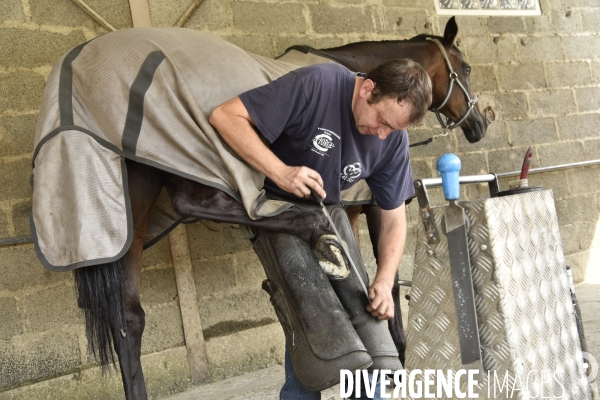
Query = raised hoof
x=330 y=255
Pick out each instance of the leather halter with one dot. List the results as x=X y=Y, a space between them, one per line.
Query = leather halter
x=453 y=78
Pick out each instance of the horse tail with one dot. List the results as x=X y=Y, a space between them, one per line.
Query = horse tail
x=100 y=291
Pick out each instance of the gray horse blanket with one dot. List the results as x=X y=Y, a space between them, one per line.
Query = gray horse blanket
x=143 y=94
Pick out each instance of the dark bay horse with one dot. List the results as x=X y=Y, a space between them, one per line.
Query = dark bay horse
x=109 y=293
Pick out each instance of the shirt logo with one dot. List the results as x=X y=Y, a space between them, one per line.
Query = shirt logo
x=351 y=172
x=323 y=141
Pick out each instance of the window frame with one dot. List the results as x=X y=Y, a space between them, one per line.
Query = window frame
x=487 y=12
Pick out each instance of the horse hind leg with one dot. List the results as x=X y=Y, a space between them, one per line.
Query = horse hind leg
x=110 y=293
x=192 y=199
x=145 y=184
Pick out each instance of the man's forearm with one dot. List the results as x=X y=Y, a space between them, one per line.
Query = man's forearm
x=235 y=127
x=391 y=245
x=234 y=124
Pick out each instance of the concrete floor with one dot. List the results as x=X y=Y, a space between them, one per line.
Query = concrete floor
x=265 y=384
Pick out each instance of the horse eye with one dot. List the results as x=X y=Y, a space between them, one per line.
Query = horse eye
x=468 y=71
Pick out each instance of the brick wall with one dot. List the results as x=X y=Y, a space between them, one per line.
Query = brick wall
x=540 y=74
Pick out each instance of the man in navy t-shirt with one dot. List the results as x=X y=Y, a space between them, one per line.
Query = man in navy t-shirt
x=328 y=128
x=307 y=117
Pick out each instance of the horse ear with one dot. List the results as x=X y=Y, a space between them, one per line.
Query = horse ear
x=450 y=31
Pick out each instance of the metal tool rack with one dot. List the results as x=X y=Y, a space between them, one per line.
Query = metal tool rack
x=525 y=317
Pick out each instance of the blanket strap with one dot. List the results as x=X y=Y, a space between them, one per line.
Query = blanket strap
x=137 y=92
x=65 y=87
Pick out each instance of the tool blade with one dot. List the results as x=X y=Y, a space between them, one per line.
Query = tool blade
x=462 y=282
x=477 y=365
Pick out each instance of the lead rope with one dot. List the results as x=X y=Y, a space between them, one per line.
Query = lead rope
x=427 y=141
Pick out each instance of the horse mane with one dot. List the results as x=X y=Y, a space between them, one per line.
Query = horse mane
x=419 y=38
x=424 y=36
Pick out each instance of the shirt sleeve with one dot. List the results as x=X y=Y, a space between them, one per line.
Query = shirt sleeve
x=276 y=105
x=392 y=183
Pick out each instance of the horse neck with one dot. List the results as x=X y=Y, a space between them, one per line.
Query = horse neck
x=364 y=56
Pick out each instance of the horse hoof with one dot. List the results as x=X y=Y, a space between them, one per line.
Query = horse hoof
x=331 y=257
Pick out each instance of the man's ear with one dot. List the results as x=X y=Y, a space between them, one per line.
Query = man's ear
x=367 y=87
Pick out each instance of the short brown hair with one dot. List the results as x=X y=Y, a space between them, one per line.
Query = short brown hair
x=402 y=79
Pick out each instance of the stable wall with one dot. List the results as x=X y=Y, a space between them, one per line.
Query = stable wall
x=540 y=74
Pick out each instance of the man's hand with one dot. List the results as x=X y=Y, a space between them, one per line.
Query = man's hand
x=382 y=302
x=299 y=181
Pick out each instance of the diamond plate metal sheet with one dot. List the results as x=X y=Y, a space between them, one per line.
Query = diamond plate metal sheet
x=524 y=310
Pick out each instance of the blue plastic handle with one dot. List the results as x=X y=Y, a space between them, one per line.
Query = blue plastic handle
x=448 y=166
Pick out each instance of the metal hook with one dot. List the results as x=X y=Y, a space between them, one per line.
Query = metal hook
x=490 y=114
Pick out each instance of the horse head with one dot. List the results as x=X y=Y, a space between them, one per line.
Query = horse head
x=441 y=59
x=452 y=94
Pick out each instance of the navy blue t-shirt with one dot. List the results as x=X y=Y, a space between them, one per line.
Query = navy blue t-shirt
x=307 y=117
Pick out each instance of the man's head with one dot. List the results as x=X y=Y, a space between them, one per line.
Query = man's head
x=391 y=97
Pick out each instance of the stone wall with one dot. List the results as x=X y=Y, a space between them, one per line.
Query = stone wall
x=540 y=74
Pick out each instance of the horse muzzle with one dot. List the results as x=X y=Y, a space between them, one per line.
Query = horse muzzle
x=475 y=126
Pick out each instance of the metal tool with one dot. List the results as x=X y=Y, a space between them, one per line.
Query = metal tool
x=342 y=242
x=526 y=163
x=460 y=264
x=522 y=184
